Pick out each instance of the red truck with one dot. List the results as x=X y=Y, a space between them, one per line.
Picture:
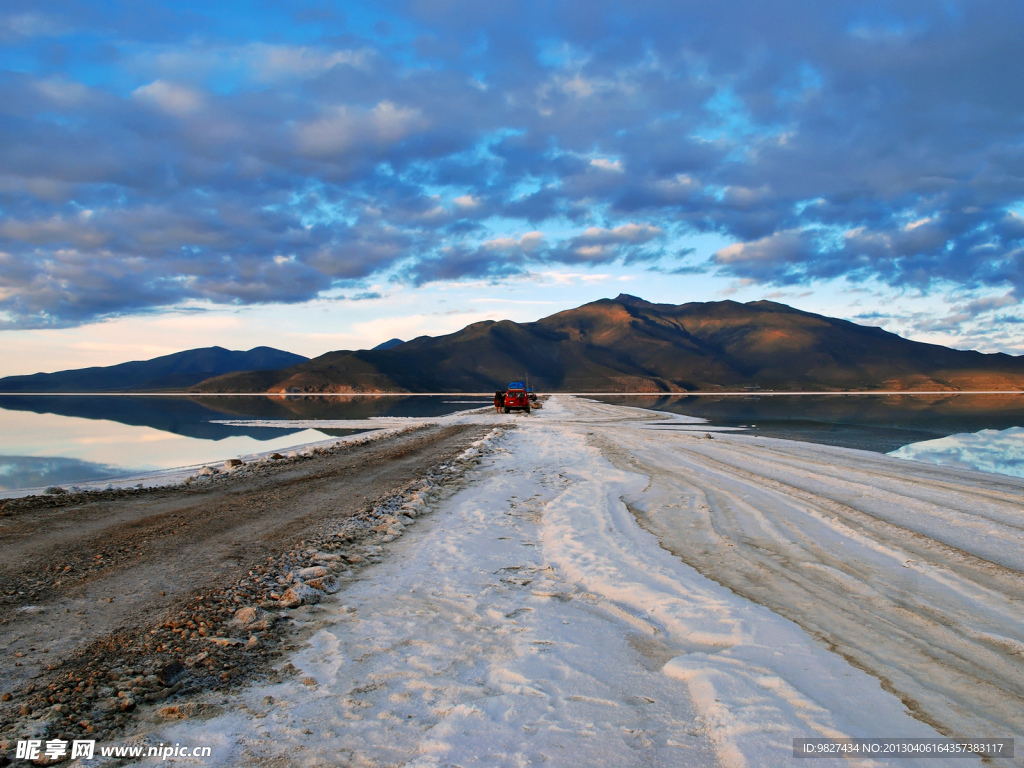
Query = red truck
x=516 y=398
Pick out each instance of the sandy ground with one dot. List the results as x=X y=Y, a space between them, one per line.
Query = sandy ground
x=84 y=578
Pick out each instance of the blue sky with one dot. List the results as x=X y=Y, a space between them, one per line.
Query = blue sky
x=317 y=176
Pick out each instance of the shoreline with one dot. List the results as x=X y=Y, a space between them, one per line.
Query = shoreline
x=703 y=393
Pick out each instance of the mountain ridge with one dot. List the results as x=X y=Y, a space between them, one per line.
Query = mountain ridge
x=176 y=371
x=628 y=344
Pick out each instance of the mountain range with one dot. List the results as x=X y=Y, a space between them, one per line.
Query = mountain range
x=169 y=372
x=627 y=344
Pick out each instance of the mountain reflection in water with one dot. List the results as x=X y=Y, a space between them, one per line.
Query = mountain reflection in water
x=879 y=423
x=54 y=440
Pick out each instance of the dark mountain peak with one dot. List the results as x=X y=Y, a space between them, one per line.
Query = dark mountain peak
x=389 y=344
x=626 y=298
x=767 y=304
x=628 y=344
x=174 y=371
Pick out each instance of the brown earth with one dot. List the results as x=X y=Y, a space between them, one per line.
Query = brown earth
x=113 y=600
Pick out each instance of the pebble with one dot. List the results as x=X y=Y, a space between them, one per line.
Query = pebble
x=95 y=695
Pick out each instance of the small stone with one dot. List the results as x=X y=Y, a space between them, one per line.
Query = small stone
x=171 y=673
x=225 y=641
x=315 y=572
x=300 y=594
x=268 y=700
x=233 y=463
x=328 y=584
x=6 y=697
x=253 y=618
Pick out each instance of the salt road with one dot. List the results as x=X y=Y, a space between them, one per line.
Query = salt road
x=617 y=587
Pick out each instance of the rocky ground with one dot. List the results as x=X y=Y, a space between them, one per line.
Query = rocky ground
x=118 y=604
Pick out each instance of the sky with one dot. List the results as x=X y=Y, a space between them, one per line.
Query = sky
x=317 y=176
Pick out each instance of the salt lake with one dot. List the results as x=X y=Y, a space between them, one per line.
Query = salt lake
x=63 y=440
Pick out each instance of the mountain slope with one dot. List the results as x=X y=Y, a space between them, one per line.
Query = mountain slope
x=176 y=371
x=628 y=344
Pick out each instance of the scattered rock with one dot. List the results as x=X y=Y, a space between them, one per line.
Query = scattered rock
x=329 y=584
x=300 y=594
x=98 y=692
x=54 y=490
x=169 y=674
x=327 y=557
x=253 y=618
x=189 y=710
x=161 y=695
x=226 y=641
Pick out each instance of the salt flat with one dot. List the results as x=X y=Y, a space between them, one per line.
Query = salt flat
x=609 y=592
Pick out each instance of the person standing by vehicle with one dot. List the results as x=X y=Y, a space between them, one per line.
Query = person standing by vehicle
x=499 y=400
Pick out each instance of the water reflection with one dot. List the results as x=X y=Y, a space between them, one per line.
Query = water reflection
x=55 y=440
x=880 y=423
x=991 y=450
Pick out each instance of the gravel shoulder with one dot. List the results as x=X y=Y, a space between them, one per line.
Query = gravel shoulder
x=111 y=601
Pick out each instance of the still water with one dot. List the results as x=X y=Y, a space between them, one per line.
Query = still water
x=67 y=440
x=880 y=423
x=983 y=432
x=70 y=440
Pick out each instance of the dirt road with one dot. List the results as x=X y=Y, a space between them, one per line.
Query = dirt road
x=103 y=595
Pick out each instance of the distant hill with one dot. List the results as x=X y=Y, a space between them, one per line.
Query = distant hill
x=389 y=344
x=170 y=372
x=627 y=344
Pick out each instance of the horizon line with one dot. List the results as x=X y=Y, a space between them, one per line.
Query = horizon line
x=701 y=393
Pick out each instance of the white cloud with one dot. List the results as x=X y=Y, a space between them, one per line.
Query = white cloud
x=278 y=62
x=173 y=99
x=529 y=242
x=64 y=93
x=345 y=127
x=607 y=165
